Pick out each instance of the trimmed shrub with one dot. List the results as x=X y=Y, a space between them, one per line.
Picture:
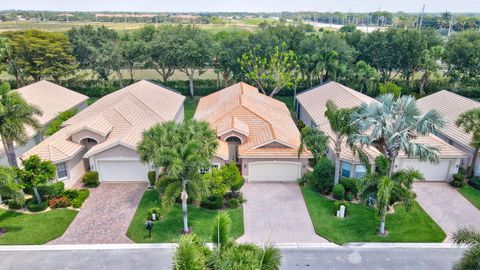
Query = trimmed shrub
x=56 y=124
x=151 y=178
x=50 y=191
x=90 y=179
x=339 y=192
x=475 y=182
x=324 y=174
x=458 y=180
x=155 y=211
x=17 y=201
x=71 y=194
x=32 y=206
x=233 y=203
x=306 y=178
x=349 y=196
x=212 y=203
x=80 y=199
x=350 y=185
x=59 y=202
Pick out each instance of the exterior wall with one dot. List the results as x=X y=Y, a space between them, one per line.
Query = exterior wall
x=219 y=161
x=245 y=161
x=233 y=133
x=477 y=167
x=83 y=134
x=75 y=169
x=465 y=162
x=304 y=117
x=453 y=168
x=19 y=150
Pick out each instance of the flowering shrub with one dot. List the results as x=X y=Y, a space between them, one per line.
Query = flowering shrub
x=59 y=202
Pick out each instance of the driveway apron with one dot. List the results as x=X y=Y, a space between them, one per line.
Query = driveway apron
x=447 y=207
x=105 y=216
x=276 y=213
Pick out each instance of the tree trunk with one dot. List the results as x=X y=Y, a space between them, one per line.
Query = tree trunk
x=37 y=195
x=275 y=91
x=337 y=168
x=1 y=201
x=120 y=78
x=190 y=79
x=218 y=79
x=382 y=222
x=10 y=152
x=131 y=73
x=392 y=166
x=423 y=82
x=471 y=170
x=184 y=208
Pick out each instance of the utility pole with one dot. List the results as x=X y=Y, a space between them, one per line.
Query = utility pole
x=421 y=17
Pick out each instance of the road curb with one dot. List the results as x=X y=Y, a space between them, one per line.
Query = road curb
x=88 y=247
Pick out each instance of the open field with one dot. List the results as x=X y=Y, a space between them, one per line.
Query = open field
x=65 y=26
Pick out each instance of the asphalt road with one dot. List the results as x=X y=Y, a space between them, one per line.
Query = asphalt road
x=293 y=259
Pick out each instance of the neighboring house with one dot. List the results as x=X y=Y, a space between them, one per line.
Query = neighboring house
x=256 y=132
x=451 y=106
x=104 y=136
x=51 y=99
x=311 y=107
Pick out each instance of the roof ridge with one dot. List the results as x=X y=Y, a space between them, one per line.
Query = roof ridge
x=146 y=106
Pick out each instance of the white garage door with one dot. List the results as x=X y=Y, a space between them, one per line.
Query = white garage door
x=431 y=172
x=122 y=171
x=272 y=171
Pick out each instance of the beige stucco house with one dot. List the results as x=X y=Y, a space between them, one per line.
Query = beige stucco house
x=256 y=132
x=451 y=106
x=51 y=99
x=104 y=136
x=311 y=107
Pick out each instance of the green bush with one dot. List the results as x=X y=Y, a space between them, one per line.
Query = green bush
x=475 y=182
x=17 y=201
x=157 y=211
x=233 y=203
x=306 y=178
x=350 y=185
x=151 y=178
x=324 y=174
x=90 y=179
x=382 y=165
x=221 y=228
x=232 y=175
x=80 y=199
x=212 y=203
x=56 y=124
x=71 y=193
x=339 y=192
x=50 y=191
x=349 y=196
x=59 y=202
x=458 y=180
x=32 y=206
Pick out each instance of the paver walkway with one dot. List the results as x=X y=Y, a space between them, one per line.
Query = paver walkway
x=447 y=207
x=276 y=212
x=105 y=216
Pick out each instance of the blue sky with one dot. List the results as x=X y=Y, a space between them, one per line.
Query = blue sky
x=242 y=5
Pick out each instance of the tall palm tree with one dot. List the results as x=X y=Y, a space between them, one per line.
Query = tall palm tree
x=471 y=257
x=15 y=116
x=315 y=141
x=181 y=149
x=385 y=186
x=391 y=125
x=365 y=76
x=470 y=121
x=340 y=124
x=429 y=63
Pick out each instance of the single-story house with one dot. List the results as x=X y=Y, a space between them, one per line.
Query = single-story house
x=104 y=136
x=51 y=99
x=451 y=106
x=311 y=107
x=256 y=132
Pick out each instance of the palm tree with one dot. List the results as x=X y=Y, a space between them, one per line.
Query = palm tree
x=315 y=141
x=15 y=116
x=430 y=65
x=391 y=125
x=365 y=76
x=385 y=186
x=471 y=257
x=181 y=149
x=8 y=187
x=340 y=124
x=470 y=121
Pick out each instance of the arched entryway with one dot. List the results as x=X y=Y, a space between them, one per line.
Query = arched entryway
x=233 y=143
x=88 y=143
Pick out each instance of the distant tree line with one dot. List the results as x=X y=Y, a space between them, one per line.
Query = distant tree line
x=277 y=56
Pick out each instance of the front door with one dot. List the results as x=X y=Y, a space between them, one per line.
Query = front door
x=233 y=143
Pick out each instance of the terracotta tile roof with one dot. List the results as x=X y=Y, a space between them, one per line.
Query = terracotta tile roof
x=314 y=102
x=262 y=119
x=122 y=116
x=450 y=106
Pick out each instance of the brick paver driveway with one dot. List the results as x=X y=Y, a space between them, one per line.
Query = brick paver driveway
x=276 y=212
x=447 y=207
x=105 y=216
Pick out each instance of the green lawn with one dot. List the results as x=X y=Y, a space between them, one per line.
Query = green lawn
x=189 y=107
x=471 y=194
x=168 y=229
x=288 y=101
x=34 y=229
x=361 y=224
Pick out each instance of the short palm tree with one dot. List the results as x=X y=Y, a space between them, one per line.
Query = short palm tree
x=385 y=186
x=181 y=150
x=315 y=141
x=470 y=122
x=340 y=124
x=15 y=116
x=391 y=125
x=471 y=257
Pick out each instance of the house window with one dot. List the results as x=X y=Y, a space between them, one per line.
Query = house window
x=206 y=170
x=346 y=169
x=360 y=171
x=62 y=170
